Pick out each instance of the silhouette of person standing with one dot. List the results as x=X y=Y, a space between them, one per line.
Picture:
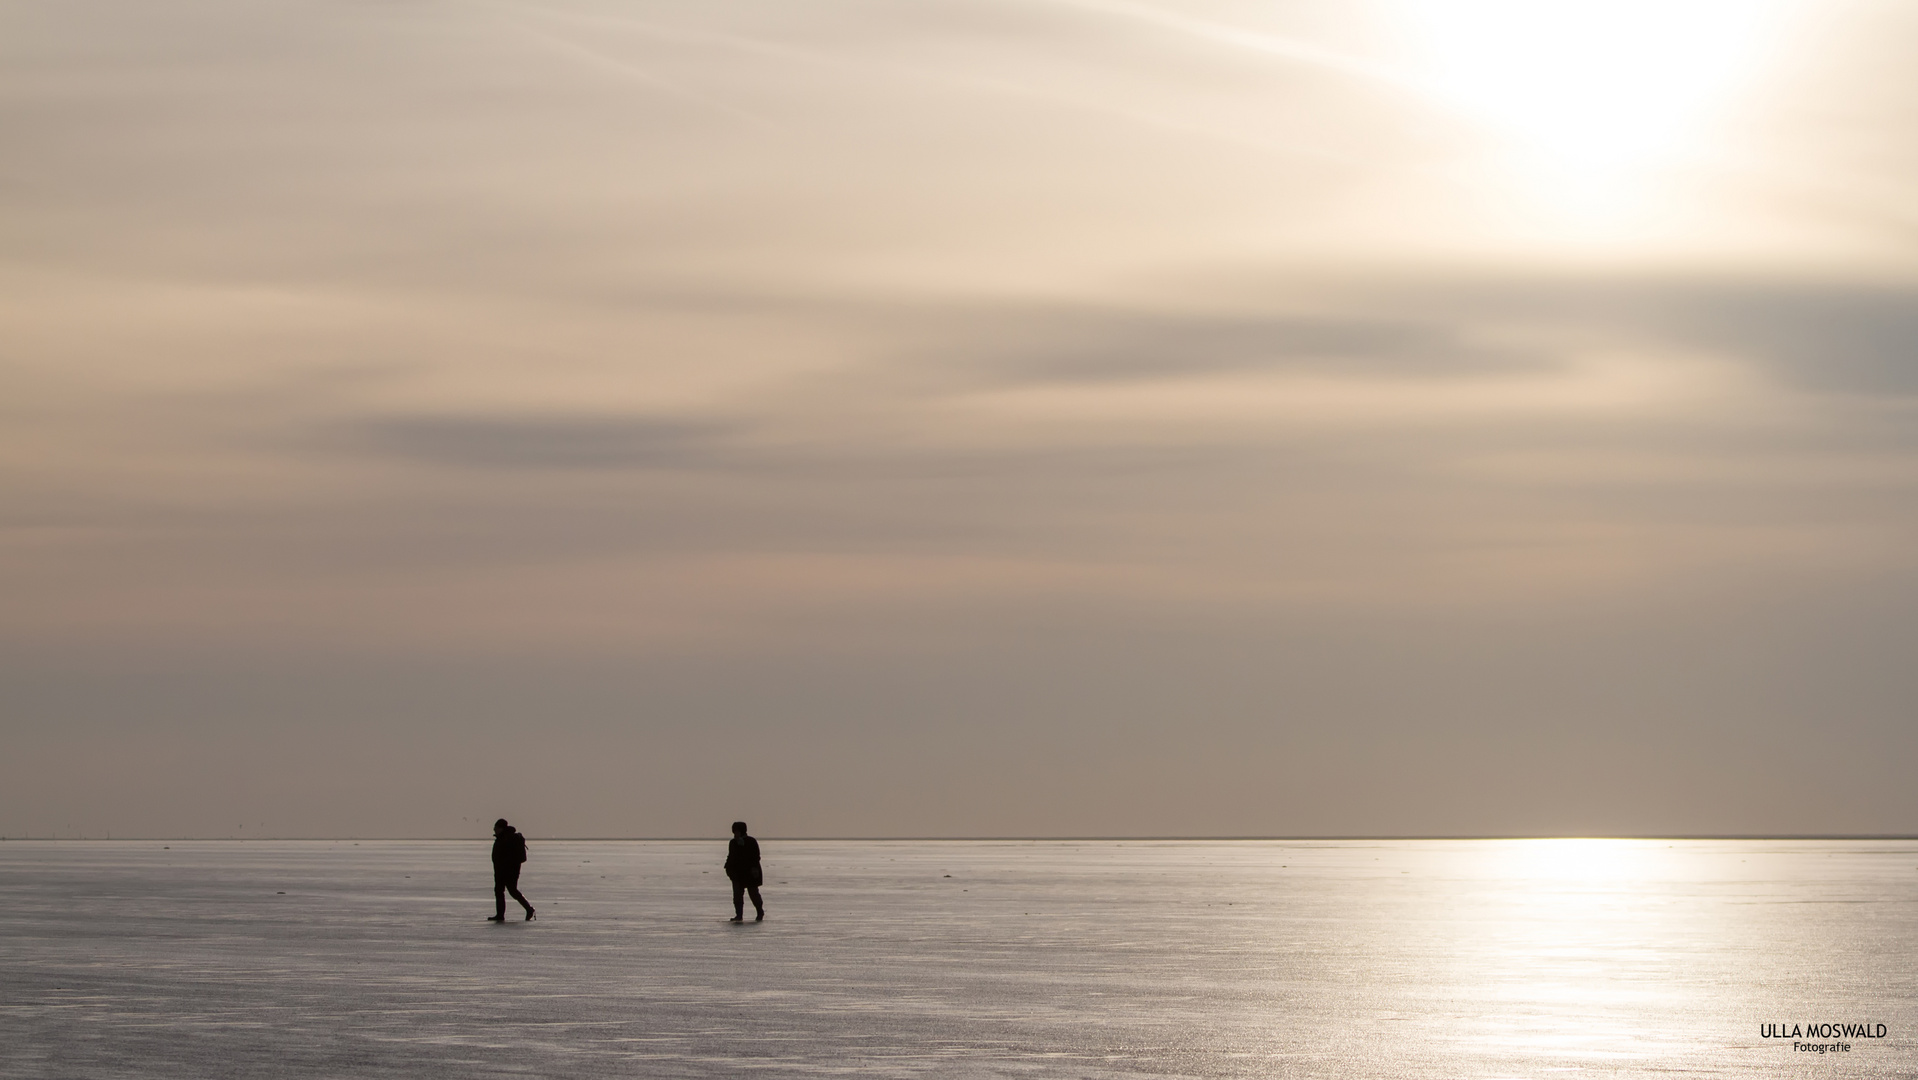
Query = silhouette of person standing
x=742 y=865
x=509 y=851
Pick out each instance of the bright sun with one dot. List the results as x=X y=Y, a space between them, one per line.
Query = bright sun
x=1593 y=89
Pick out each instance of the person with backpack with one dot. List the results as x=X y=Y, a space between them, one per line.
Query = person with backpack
x=509 y=851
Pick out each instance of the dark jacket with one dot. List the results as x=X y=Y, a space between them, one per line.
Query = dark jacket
x=742 y=862
x=509 y=849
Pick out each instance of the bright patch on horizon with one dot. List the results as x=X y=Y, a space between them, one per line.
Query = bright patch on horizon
x=1596 y=93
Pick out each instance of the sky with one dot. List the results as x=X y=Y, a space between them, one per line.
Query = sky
x=958 y=417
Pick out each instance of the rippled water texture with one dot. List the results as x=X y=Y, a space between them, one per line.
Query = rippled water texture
x=1350 y=959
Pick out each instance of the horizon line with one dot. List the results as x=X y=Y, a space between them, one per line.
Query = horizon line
x=1000 y=839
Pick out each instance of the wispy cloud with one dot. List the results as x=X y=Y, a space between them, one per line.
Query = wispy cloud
x=536 y=442
x=1296 y=50
x=1119 y=343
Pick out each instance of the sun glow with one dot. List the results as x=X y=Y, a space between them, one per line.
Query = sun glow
x=1597 y=92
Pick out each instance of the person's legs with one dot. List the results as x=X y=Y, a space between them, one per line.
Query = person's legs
x=758 y=904
x=739 y=902
x=499 y=896
x=512 y=886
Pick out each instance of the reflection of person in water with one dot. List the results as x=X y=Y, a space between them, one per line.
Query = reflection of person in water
x=509 y=851
x=742 y=865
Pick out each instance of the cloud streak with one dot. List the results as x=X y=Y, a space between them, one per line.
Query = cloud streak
x=511 y=443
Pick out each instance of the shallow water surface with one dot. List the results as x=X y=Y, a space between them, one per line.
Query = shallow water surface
x=1475 y=958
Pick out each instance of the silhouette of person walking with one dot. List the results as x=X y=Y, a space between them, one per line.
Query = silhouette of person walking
x=509 y=851
x=742 y=865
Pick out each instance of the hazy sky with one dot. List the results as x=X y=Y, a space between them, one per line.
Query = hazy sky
x=922 y=417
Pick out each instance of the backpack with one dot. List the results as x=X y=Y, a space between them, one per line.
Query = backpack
x=519 y=845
